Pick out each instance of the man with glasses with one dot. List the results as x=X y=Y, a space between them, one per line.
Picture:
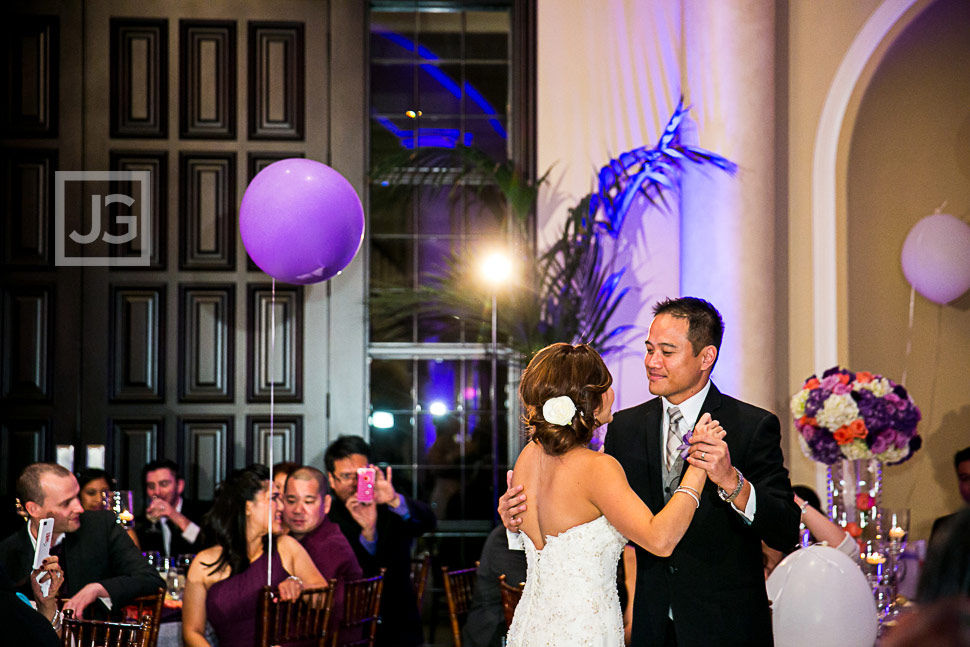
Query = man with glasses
x=382 y=533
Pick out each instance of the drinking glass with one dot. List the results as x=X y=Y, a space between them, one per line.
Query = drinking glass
x=896 y=525
x=174 y=584
x=120 y=502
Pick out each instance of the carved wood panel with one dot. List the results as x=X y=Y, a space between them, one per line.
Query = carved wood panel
x=207 y=222
x=205 y=445
x=276 y=80
x=30 y=76
x=22 y=442
x=278 y=361
x=286 y=436
x=156 y=164
x=139 y=78
x=207 y=315
x=207 y=79
x=133 y=443
x=136 y=343
x=27 y=327
x=28 y=190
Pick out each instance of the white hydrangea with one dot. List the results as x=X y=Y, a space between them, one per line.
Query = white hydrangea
x=892 y=455
x=855 y=450
x=806 y=450
x=838 y=410
x=878 y=387
x=798 y=403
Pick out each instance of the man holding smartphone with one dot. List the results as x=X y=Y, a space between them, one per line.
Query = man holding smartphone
x=381 y=531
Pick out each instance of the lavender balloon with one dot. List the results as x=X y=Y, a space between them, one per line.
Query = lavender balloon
x=301 y=221
x=936 y=257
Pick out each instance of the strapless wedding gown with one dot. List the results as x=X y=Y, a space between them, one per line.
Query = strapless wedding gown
x=570 y=589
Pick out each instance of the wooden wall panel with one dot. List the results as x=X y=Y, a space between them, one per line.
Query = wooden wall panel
x=133 y=443
x=205 y=446
x=156 y=163
x=207 y=79
x=206 y=335
x=276 y=80
x=287 y=438
x=136 y=344
x=139 y=78
x=28 y=205
x=22 y=442
x=257 y=161
x=207 y=222
x=27 y=363
x=286 y=373
x=30 y=76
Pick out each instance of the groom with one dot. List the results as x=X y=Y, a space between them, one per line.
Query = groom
x=711 y=590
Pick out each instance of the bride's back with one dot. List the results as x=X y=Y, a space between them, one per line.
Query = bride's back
x=558 y=488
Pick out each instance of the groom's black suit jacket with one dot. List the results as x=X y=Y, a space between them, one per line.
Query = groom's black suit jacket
x=714 y=580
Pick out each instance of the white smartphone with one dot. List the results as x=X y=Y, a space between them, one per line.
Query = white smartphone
x=45 y=532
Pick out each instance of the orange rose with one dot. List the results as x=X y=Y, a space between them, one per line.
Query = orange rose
x=812 y=383
x=843 y=436
x=858 y=429
x=843 y=378
x=805 y=420
x=853 y=529
x=863 y=377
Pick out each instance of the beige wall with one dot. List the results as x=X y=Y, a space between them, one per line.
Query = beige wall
x=910 y=152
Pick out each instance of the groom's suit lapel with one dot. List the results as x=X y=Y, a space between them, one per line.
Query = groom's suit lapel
x=652 y=437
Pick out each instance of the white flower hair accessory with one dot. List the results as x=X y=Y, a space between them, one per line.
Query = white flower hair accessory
x=559 y=411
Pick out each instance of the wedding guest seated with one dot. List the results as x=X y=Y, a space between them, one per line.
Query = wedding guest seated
x=485 y=626
x=306 y=502
x=99 y=561
x=94 y=483
x=942 y=615
x=225 y=579
x=961 y=463
x=170 y=524
x=381 y=532
x=821 y=530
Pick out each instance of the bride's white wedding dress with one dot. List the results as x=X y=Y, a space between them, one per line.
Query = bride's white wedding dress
x=570 y=589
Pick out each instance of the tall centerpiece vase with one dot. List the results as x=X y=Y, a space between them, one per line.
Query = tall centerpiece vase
x=855 y=495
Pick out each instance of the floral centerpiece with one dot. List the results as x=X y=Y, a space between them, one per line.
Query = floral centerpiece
x=846 y=415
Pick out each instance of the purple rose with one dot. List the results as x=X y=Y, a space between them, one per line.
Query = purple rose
x=915 y=443
x=841 y=389
x=882 y=441
x=900 y=390
x=829 y=382
x=876 y=413
x=825 y=449
x=908 y=416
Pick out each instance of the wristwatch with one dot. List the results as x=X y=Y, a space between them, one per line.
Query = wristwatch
x=733 y=495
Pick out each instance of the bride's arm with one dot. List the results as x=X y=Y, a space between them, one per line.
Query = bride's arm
x=658 y=533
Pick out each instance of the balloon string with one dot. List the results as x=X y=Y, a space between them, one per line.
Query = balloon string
x=909 y=334
x=272 y=433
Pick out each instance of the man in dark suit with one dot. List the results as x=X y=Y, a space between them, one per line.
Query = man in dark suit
x=711 y=589
x=170 y=524
x=381 y=533
x=98 y=558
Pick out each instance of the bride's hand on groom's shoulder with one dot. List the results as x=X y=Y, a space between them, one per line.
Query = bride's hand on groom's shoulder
x=509 y=507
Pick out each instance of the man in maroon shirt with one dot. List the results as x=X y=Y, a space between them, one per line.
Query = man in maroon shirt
x=306 y=502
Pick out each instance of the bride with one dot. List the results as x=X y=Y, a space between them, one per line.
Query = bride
x=584 y=509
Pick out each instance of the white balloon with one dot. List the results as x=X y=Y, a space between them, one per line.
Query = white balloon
x=820 y=598
x=936 y=257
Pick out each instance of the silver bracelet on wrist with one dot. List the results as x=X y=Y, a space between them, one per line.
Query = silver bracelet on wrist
x=729 y=498
x=687 y=487
x=686 y=491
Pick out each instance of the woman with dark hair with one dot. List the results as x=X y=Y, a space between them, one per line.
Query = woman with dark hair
x=93 y=483
x=224 y=580
x=583 y=508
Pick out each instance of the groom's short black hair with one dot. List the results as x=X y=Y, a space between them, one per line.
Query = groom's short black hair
x=704 y=324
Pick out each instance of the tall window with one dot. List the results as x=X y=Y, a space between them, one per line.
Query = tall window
x=439 y=77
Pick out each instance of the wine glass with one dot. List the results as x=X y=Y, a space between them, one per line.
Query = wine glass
x=897 y=528
x=120 y=502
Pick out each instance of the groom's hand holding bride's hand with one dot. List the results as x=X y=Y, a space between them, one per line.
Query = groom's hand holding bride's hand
x=709 y=451
x=508 y=505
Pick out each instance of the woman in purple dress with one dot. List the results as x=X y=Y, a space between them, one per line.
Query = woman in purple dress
x=224 y=580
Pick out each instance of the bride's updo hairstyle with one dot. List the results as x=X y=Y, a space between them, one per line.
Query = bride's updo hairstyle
x=564 y=370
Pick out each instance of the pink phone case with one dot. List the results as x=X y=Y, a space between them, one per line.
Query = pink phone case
x=365 y=484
